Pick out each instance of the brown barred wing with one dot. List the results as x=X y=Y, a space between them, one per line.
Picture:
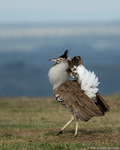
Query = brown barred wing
x=73 y=64
x=73 y=98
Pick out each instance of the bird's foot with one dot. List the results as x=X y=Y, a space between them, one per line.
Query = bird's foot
x=75 y=135
x=60 y=132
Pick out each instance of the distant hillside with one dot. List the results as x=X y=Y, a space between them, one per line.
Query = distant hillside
x=27 y=76
x=20 y=79
x=25 y=52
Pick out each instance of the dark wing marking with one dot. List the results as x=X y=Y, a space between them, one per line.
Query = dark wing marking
x=73 y=64
x=73 y=98
x=103 y=106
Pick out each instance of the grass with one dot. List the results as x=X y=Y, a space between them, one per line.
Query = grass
x=32 y=124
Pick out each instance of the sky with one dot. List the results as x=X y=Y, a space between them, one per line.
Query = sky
x=38 y=11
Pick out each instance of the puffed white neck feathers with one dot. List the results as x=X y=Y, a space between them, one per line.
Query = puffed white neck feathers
x=58 y=74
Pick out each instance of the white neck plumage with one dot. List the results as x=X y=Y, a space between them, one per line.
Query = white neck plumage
x=58 y=74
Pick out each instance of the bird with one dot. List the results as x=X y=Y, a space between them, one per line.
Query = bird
x=80 y=94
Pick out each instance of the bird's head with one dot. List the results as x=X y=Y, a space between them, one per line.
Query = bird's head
x=60 y=58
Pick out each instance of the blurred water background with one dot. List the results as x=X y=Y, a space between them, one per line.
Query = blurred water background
x=31 y=34
x=26 y=48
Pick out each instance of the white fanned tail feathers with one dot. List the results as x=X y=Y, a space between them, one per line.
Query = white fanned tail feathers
x=88 y=80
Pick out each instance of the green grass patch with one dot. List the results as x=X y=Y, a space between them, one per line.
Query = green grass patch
x=62 y=146
x=32 y=124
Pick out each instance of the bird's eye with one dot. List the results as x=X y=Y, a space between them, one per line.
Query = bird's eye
x=60 y=59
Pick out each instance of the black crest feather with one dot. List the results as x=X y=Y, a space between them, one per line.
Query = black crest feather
x=65 y=55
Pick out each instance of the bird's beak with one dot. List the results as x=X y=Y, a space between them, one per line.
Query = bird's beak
x=53 y=59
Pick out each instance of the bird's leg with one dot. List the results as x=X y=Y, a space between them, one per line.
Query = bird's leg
x=61 y=130
x=76 y=127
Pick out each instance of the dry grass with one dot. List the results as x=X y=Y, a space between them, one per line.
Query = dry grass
x=32 y=123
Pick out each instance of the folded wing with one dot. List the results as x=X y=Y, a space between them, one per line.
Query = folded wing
x=73 y=98
x=88 y=82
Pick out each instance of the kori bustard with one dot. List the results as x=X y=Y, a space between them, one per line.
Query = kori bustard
x=80 y=95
